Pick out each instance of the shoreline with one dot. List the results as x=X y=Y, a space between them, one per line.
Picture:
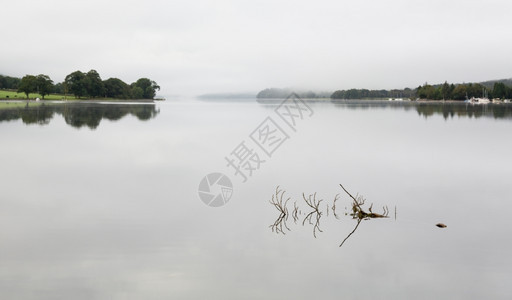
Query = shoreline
x=96 y=100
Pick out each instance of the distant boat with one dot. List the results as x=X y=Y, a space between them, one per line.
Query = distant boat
x=479 y=100
x=483 y=100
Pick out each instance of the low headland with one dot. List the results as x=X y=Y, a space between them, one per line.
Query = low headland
x=76 y=86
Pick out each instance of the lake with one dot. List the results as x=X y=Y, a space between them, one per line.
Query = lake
x=113 y=201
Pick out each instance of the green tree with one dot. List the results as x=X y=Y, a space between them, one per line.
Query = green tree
x=148 y=87
x=137 y=92
x=76 y=83
x=446 y=91
x=8 y=82
x=426 y=91
x=499 y=90
x=44 y=85
x=28 y=84
x=116 y=88
x=460 y=92
x=476 y=90
x=93 y=84
x=58 y=88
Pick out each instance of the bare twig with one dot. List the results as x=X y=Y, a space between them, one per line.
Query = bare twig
x=355 y=200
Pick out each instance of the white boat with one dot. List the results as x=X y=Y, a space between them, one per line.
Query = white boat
x=479 y=100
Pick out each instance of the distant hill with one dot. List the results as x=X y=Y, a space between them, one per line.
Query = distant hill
x=490 y=83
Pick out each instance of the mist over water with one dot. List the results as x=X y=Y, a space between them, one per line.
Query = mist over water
x=107 y=207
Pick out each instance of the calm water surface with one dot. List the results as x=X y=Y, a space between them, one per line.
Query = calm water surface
x=100 y=201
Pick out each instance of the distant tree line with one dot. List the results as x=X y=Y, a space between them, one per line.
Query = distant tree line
x=82 y=84
x=372 y=94
x=9 y=83
x=445 y=91
x=464 y=91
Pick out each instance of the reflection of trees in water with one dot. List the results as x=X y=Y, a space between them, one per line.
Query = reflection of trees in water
x=314 y=212
x=373 y=104
x=449 y=110
x=78 y=114
x=38 y=114
x=428 y=109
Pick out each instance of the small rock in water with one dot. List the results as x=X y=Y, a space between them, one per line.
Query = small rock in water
x=441 y=225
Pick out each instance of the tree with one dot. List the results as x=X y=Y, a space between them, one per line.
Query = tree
x=28 y=84
x=8 y=82
x=426 y=91
x=58 y=88
x=446 y=91
x=460 y=92
x=499 y=90
x=476 y=90
x=93 y=84
x=116 y=88
x=44 y=85
x=148 y=87
x=509 y=93
x=137 y=93
x=76 y=83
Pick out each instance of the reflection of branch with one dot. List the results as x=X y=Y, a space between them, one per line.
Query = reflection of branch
x=295 y=212
x=334 y=206
x=358 y=222
x=314 y=204
x=277 y=201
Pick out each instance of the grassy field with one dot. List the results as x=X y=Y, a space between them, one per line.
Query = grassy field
x=12 y=95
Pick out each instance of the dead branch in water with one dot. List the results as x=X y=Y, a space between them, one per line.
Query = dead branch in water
x=315 y=212
x=359 y=214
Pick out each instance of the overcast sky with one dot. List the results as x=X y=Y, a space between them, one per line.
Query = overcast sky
x=200 y=46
